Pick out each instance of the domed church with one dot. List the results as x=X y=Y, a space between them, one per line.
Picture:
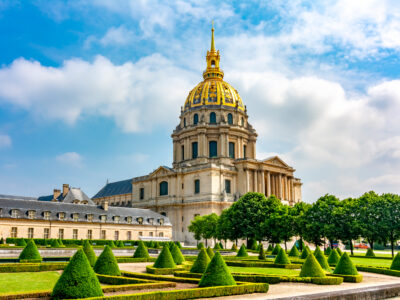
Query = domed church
x=214 y=160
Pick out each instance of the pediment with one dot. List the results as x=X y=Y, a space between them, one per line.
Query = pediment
x=161 y=171
x=276 y=161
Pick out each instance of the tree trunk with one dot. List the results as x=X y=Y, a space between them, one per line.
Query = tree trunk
x=331 y=244
x=301 y=244
x=392 y=246
x=206 y=243
x=285 y=246
x=371 y=244
x=351 y=247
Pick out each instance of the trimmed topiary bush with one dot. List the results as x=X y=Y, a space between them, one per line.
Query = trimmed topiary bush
x=210 y=252
x=334 y=257
x=234 y=247
x=276 y=249
x=305 y=253
x=30 y=252
x=141 y=251
x=107 y=264
x=345 y=266
x=270 y=248
x=282 y=258
x=294 y=251
x=120 y=244
x=261 y=253
x=311 y=268
x=178 y=243
x=111 y=244
x=201 y=262
x=164 y=259
x=320 y=257
x=156 y=245
x=200 y=245
x=217 y=273
x=177 y=255
x=60 y=242
x=396 y=262
x=221 y=246
x=78 y=280
x=339 y=251
x=370 y=253
x=21 y=242
x=328 y=251
x=242 y=251
x=217 y=247
x=55 y=244
x=171 y=246
x=88 y=250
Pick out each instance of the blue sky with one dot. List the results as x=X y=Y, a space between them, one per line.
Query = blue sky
x=91 y=90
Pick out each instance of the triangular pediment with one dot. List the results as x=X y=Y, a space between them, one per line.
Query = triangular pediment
x=161 y=171
x=276 y=161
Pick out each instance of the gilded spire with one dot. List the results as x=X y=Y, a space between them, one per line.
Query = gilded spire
x=212 y=37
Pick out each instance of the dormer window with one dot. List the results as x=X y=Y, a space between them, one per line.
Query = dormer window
x=103 y=218
x=31 y=214
x=129 y=220
x=61 y=216
x=76 y=201
x=116 y=219
x=161 y=221
x=46 y=215
x=14 y=213
x=151 y=221
x=89 y=218
x=75 y=217
x=140 y=220
x=84 y=202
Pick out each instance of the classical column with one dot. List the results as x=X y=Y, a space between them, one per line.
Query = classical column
x=255 y=181
x=292 y=189
x=262 y=179
x=280 y=187
x=268 y=184
x=247 y=181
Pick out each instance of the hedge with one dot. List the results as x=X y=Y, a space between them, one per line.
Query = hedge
x=282 y=258
x=261 y=253
x=345 y=266
x=349 y=278
x=26 y=295
x=200 y=245
x=91 y=256
x=216 y=291
x=294 y=251
x=334 y=257
x=133 y=260
x=210 y=252
x=119 y=280
x=106 y=263
x=276 y=250
x=31 y=267
x=165 y=259
x=140 y=286
x=378 y=270
x=161 y=271
x=160 y=278
x=177 y=255
x=260 y=264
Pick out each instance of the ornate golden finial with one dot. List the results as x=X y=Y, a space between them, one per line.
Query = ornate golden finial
x=212 y=37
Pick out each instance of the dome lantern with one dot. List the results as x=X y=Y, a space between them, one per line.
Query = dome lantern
x=213 y=71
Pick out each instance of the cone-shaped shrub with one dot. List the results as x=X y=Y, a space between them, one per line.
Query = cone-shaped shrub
x=91 y=256
x=200 y=245
x=55 y=244
x=334 y=257
x=217 y=246
x=320 y=257
x=156 y=245
x=242 y=251
x=221 y=246
x=396 y=262
x=30 y=251
x=21 y=242
x=201 y=262
x=270 y=248
x=234 y=247
x=210 y=252
x=254 y=246
x=345 y=266
x=106 y=264
x=178 y=243
x=141 y=251
x=339 y=251
x=305 y=253
x=78 y=280
x=217 y=273
x=121 y=244
x=60 y=242
x=261 y=253
x=370 y=253
x=282 y=258
x=177 y=255
x=164 y=259
x=311 y=268
x=171 y=246
x=111 y=244
x=294 y=251
x=328 y=251
x=276 y=249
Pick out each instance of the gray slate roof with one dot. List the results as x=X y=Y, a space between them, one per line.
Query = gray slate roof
x=8 y=203
x=115 y=188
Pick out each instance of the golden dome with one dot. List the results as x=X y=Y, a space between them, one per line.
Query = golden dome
x=213 y=91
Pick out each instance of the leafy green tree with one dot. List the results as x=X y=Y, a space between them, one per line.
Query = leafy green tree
x=225 y=226
x=299 y=226
x=197 y=227
x=390 y=219
x=210 y=226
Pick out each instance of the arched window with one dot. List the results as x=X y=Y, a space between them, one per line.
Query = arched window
x=242 y=121
x=197 y=186
x=195 y=119
x=213 y=63
x=184 y=122
x=212 y=149
x=231 y=150
x=163 y=188
x=213 y=118
x=163 y=213
x=230 y=119
x=194 y=150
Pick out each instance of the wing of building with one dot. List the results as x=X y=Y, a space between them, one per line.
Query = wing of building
x=214 y=160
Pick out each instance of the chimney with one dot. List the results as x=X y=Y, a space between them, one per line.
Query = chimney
x=65 y=189
x=56 y=193
x=105 y=205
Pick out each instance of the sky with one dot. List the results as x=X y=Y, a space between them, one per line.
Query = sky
x=90 y=90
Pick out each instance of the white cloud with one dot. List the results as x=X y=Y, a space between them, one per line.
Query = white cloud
x=115 y=36
x=70 y=158
x=5 y=141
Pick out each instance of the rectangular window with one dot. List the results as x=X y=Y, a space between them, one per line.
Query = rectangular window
x=197 y=186
x=89 y=234
x=231 y=150
x=141 y=193
x=75 y=234
x=61 y=216
x=244 y=151
x=183 y=152
x=61 y=233
x=75 y=217
x=129 y=235
x=103 y=218
x=47 y=215
x=14 y=232
x=116 y=235
x=31 y=214
x=14 y=213
x=140 y=233
x=151 y=233
x=30 y=233
x=194 y=150
x=161 y=234
x=129 y=220
x=116 y=219
x=213 y=149
x=90 y=218
x=227 y=186
x=46 y=233
x=103 y=235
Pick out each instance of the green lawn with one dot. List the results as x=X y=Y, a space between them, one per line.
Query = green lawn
x=271 y=271
x=27 y=281
x=372 y=262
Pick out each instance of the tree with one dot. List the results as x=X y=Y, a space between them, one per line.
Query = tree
x=210 y=226
x=297 y=212
x=390 y=205
x=197 y=227
x=278 y=225
x=225 y=227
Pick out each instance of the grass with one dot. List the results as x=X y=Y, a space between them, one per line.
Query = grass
x=372 y=262
x=271 y=271
x=27 y=281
